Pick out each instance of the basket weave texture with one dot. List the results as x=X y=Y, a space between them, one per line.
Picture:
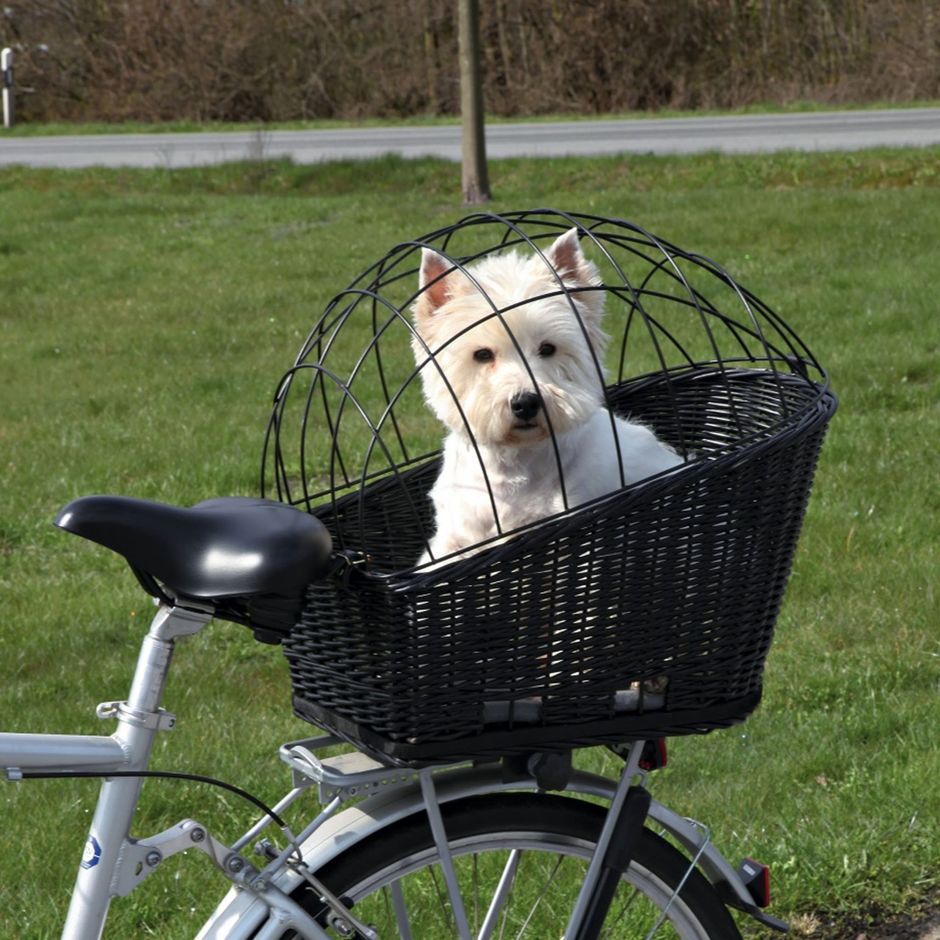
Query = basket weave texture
x=668 y=589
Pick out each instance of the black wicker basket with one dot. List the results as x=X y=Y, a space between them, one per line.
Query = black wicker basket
x=648 y=611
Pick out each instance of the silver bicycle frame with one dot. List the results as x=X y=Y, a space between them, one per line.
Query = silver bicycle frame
x=113 y=863
x=128 y=749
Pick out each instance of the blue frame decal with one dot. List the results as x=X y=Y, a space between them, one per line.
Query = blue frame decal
x=92 y=853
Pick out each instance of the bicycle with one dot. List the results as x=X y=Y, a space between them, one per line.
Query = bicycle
x=455 y=809
x=327 y=876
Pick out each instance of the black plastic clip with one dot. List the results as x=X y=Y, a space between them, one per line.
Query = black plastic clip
x=344 y=566
x=550 y=769
x=798 y=365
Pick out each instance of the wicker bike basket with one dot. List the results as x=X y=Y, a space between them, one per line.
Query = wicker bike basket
x=647 y=611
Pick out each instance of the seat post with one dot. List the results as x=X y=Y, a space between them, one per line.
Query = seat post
x=156 y=652
x=139 y=719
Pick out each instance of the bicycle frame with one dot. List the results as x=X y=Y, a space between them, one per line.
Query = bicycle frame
x=113 y=863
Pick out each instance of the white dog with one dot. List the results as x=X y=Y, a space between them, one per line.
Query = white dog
x=506 y=384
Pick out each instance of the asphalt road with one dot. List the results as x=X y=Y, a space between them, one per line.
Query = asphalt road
x=831 y=130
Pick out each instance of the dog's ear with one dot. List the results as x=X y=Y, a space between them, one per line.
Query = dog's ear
x=567 y=258
x=438 y=282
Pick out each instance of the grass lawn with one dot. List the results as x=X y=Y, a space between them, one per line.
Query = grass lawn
x=145 y=318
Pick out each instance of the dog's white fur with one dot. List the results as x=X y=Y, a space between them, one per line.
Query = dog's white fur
x=535 y=345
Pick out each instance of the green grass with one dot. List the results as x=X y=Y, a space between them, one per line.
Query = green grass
x=145 y=319
x=194 y=127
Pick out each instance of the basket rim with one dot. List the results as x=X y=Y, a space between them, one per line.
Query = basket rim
x=696 y=370
x=817 y=410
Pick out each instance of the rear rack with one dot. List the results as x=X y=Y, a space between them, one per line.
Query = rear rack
x=346 y=775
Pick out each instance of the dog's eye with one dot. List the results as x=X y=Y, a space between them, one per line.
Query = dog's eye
x=484 y=355
x=546 y=350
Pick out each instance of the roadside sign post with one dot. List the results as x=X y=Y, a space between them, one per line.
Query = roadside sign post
x=6 y=68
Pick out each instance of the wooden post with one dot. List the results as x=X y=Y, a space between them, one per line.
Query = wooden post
x=475 y=182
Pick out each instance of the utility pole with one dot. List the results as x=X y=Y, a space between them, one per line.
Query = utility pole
x=475 y=181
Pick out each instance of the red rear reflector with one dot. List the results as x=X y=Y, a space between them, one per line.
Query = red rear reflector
x=654 y=755
x=756 y=878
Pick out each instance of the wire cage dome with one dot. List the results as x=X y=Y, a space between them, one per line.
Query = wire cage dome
x=612 y=597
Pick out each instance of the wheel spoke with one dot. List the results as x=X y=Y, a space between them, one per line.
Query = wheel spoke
x=476 y=890
x=523 y=859
x=401 y=911
x=503 y=889
x=540 y=895
x=446 y=911
x=621 y=914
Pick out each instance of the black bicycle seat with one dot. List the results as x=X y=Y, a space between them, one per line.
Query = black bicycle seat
x=230 y=547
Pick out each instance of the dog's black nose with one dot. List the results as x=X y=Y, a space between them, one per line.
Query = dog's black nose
x=525 y=406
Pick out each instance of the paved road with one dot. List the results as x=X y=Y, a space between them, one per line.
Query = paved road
x=832 y=130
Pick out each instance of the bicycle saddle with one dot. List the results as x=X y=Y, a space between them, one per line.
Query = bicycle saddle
x=229 y=547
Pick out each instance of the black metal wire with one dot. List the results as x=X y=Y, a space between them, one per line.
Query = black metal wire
x=167 y=774
x=761 y=338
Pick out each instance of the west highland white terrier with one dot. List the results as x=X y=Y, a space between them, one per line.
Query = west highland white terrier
x=514 y=372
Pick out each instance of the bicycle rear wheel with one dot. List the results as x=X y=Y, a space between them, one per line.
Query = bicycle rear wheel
x=539 y=845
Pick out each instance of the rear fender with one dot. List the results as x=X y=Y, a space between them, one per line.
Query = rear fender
x=239 y=914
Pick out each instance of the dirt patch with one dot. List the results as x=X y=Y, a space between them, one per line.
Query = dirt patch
x=874 y=924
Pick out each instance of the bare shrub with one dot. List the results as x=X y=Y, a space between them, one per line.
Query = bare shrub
x=260 y=60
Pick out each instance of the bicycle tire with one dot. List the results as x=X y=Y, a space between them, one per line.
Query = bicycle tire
x=556 y=831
